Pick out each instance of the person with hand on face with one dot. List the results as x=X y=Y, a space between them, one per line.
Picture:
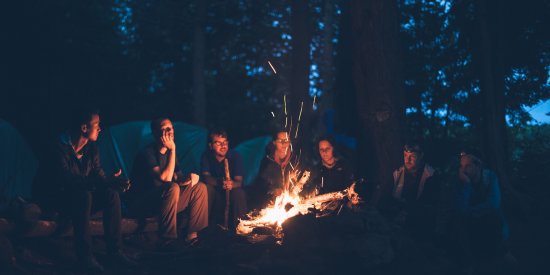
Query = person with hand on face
x=478 y=227
x=213 y=174
x=160 y=188
x=72 y=181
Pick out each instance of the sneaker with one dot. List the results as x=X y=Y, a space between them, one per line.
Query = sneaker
x=121 y=259
x=90 y=264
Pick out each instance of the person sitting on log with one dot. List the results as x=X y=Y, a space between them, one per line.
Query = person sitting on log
x=478 y=227
x=213 y=174
x=72 y=182
x=160 y=188
x=414 y=201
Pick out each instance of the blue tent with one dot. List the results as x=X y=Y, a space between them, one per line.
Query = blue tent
x=252 y=152
x=120 y=144
x=18 y=163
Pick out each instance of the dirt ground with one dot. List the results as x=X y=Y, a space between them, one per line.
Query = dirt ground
x=344 y=244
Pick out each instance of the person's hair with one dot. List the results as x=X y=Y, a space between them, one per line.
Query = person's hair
x=155 y=125
x=275 y=134
x=413 y=147
x=216 y=132
x=82 y=116
x=270 y=148
x=332 y=141
x=474 y=154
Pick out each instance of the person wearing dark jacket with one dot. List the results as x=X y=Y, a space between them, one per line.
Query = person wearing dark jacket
x=76 y=186
x=275 y=171
x=334 y=173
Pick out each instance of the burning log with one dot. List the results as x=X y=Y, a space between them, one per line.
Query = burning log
x=289 y=205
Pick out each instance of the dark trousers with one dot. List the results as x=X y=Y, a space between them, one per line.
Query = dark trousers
x=79 y=205
x=216 y=202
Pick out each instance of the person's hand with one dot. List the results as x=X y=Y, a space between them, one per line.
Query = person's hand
x=354 y=199
x=192 y=179
x=185 y=183
x=118 y=173
x=227 y=184
x=463 y=177
x=167 y=140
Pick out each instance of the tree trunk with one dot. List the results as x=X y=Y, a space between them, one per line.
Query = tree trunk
x=326 y=66
x=299 y=83
x=492 y=91
x=379 y=87
x=199 y=92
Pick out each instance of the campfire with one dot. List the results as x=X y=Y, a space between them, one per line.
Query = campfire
x=288 y=205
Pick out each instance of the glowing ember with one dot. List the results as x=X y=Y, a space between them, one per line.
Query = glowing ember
x=273 y=68
x=313 y=106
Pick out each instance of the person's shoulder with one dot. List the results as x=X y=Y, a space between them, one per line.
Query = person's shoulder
x=489 y=176
x=57 y=147
x=268 y=159
x=204 y=155
x=234 y=154
x=430 y=170
x=147 y=151
x=343 y=162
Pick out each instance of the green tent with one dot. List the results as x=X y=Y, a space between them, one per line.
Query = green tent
x=18 y=164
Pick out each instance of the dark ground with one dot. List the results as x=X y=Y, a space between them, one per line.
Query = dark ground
x=348 y=243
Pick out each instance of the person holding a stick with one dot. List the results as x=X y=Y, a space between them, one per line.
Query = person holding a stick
x=223 y=172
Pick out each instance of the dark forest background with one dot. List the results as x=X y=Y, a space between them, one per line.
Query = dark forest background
x=448 y=73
